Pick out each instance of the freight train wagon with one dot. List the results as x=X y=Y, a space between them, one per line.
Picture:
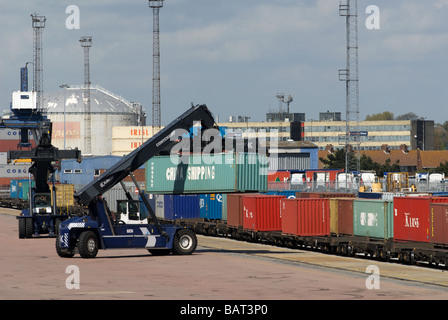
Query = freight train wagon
x=407 y=229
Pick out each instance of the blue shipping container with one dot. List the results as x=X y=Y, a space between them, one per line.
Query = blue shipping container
x=14 y=189
x=185 y=206
x=179 y=206
x=210 y=206
x=24 y=189
x=369 y=195
x=164 y=206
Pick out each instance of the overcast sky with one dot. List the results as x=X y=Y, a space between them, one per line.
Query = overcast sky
x=235 y=56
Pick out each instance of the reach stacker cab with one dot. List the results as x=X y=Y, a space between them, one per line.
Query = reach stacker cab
x=101 y=230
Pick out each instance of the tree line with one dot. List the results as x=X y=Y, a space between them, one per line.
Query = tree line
x=336 y=160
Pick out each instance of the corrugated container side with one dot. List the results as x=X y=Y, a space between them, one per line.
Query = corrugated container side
x=224 y=207
x=370 y=195
x=334 y=206
x=24 y=189
x=373 y=218
x=290 y=194
x=312 y=216
x=235 y=210
x=392 y=195
x=411 y=217
x=14 y=189
x=165 y=206
x=210 y=206
x=206 y=174
x=64 y=194
x=252 y=172
x=262 y=213
x=324 y=195
x=159 y=205
x=345 y=216
x=288 y=211
x=186 y=206
x=439 y=223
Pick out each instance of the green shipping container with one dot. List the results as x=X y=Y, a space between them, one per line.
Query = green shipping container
x=373 y=218
x=214 y=173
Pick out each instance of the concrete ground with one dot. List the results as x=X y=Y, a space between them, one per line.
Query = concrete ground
x=219 y=270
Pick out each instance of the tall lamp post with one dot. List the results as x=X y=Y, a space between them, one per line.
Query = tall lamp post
x=64 y=87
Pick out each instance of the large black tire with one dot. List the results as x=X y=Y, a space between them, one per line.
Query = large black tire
x=26 y=228
x=64 y=253
x=185 y=242
x=22 y=228
x=88 y=244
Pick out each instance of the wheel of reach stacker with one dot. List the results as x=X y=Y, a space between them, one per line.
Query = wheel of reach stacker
x=26 y=228
x=88 y=244
x=185 y=242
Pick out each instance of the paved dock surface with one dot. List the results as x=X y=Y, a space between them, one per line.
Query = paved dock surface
x=220 y=269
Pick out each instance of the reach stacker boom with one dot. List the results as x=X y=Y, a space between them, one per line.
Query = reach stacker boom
x=100 y=230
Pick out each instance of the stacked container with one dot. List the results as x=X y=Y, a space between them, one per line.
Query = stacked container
x=199 y=173
x=324 y=195
x=305 y=217
x=64 y=195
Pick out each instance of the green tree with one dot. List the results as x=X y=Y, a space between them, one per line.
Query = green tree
x=336 y=160
x=386 y=115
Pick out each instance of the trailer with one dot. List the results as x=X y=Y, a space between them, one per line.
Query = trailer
x=100 y=229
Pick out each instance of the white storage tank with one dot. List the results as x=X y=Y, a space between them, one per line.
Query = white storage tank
x=67 y=113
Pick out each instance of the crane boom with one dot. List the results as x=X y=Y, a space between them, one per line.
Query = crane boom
x=162 y=141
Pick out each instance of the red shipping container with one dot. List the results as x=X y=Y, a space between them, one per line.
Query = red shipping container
x=288 y=210
x=345 y=216
x=235 y=208
x=262 y=212
x=411 y=217
x=278 y=176
x=306 y=217
x=439 y=223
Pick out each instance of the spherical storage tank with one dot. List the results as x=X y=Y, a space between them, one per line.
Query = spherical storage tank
x=67 y=112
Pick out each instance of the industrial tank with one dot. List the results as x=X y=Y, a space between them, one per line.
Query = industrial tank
x=66 y=110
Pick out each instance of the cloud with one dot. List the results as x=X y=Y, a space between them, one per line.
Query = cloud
x=249 y=35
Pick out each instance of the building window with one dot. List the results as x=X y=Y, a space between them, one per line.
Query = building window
x=68 y=171
x=78 y=171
